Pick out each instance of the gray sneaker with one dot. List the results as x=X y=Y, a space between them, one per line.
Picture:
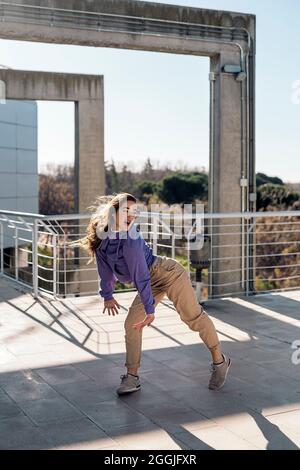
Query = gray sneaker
x=129 y=384
x=219 y=374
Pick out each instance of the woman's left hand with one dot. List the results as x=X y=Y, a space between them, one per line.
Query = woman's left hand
x=148 y=320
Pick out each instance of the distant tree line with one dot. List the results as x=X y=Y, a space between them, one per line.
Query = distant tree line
x=56 y=190
x=155 y=185
x=165 y=185
x=152 y=185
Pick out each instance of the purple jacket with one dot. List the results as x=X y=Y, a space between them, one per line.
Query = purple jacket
x=126 y=258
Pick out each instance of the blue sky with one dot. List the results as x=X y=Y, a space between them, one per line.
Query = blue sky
x=156 y=105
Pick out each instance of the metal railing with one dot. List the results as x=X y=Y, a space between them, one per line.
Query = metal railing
x=248 y=253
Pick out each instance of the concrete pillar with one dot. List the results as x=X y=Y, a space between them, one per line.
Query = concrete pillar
x=89 y=155
x=227 y=166
x=89 y=178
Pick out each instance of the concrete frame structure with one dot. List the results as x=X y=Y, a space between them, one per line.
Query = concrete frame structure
x=227 y=38
x=86 y=91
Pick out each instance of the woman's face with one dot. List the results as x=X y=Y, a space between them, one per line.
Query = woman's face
x=126 y=215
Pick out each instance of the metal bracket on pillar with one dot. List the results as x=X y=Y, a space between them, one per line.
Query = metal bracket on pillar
x=244 y=182
x=235 y=70
x=212 y=76
x=229 y=68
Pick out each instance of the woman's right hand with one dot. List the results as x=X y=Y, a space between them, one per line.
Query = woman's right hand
x=111 y=306
x=146 y=322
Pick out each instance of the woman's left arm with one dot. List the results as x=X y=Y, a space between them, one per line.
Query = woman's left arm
x=134 y=256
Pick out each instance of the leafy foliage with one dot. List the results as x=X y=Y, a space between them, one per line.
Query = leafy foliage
x=183 y=188
x=277 y=197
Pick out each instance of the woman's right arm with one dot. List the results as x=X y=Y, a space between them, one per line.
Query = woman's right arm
x=107 y=284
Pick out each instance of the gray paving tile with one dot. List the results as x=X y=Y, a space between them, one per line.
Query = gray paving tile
x=20 y=375
x=23 y=391
x=145 y=436
x=50 y=410
x=80 y=434
x=99 y=364
x=4 y=398
x=168 y=379
x=115 y=414
x=86 y=393
x=100 y=372
x=8 y=410
x=19 y=433
x=176 y=418
x=61 y=374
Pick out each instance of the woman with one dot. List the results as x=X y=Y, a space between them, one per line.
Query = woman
x=122 y=254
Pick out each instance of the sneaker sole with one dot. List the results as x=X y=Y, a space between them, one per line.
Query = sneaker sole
x=129 y=391
x=218 y=388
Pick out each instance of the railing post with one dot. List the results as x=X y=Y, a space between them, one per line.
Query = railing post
x=244 y=253
x=16 y=254
x=188 y=254
x=247 y=259
x=35 y=280
x=54 y=265
x=211 y=226
x=155 y=230
x=173 y=245
x=249 y=275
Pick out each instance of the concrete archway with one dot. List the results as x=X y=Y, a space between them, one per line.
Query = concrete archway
x=227 y=38
x=86 y=91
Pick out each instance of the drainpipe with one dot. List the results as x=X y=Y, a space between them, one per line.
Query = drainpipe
x=212 y=83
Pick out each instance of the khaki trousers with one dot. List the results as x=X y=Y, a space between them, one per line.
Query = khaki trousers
x=168 y=277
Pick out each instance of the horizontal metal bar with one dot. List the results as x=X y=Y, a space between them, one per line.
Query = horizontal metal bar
x=205 y=216
x=275 y=266
x=22 y=214
x=274 y=255
x=273 y=279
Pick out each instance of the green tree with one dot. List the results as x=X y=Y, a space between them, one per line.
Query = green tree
x=183 y=188
x=143 y=190
x=261 y=179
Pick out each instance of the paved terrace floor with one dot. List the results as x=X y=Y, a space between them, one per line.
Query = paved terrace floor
x=60 y=363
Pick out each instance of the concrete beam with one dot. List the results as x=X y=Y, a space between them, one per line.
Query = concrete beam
x=126 y=24
x=51 y=86
x=143 y=10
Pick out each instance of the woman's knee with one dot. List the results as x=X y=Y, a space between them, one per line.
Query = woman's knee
x=135 y=315
x=200 y=322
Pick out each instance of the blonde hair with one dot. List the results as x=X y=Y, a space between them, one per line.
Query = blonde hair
x=105 y=208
